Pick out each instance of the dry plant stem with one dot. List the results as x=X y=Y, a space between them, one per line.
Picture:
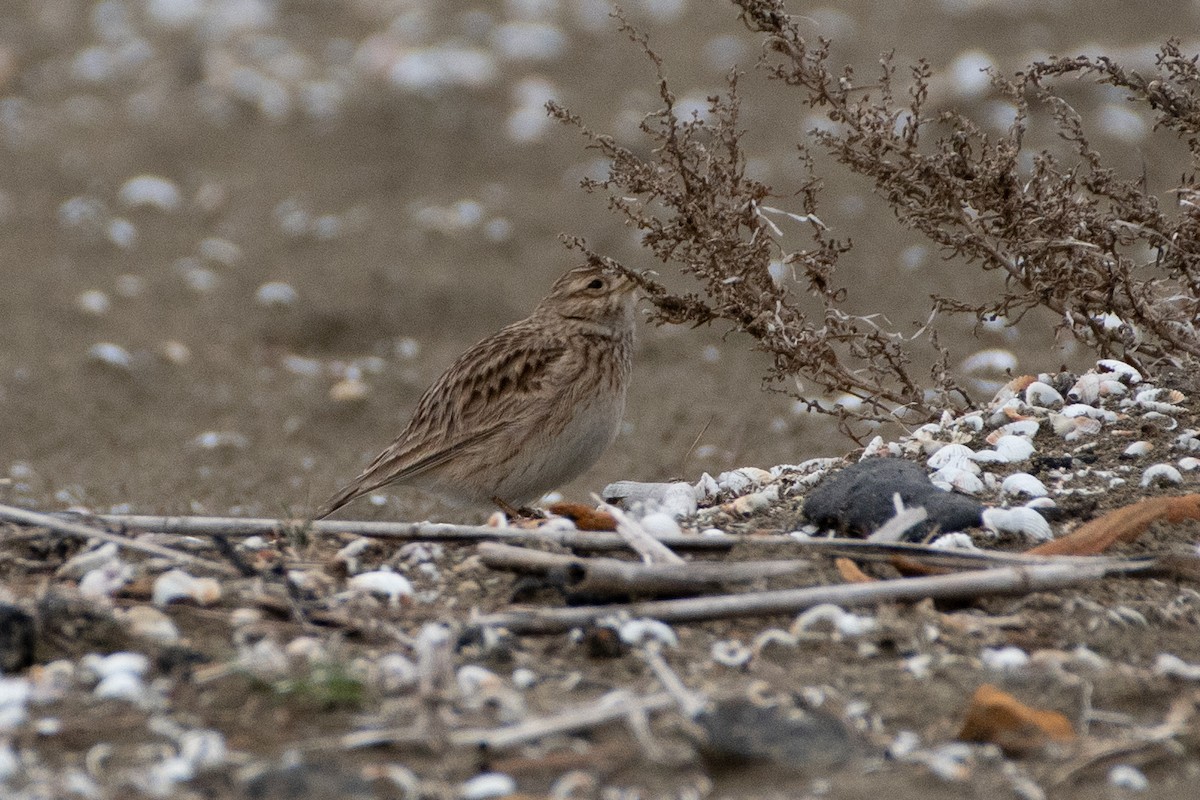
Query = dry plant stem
x=21 y=516
x=610 y=576
x=576 y=719
x=969 y=585
x=640 y=541
x=396 y=531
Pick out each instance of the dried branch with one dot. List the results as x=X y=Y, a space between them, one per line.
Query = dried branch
x=961 y=586
x=21 y=516
x=607 y=577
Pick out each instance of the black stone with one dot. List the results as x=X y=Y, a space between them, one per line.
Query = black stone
x=18 y=638
x=858 y=499
x=740 y=731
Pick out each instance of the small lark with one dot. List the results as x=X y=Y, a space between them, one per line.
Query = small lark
x=526 y=409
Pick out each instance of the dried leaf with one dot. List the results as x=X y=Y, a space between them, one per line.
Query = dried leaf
x=851 y=572
x=997 y=717
x=1122 y=525
x=585 y=517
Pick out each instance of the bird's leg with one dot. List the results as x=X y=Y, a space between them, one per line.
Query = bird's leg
x=506 y=507
x=517 y=513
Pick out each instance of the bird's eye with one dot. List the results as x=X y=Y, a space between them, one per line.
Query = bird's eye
x=596 y=283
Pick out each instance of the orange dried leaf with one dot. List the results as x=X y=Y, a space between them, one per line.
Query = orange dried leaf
x=996 y=716
x=1121 y=525
x=851 y=572
x=584 y=516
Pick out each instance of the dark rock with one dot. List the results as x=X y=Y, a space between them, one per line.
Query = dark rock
x=858 y=499
x=743 y=732
x=18 y=638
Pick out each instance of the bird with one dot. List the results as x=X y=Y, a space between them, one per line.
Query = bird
x=526 y=409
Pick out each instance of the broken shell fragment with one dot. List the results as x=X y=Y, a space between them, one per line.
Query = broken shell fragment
x=1043 y=395
x=179 y=585
x=1023 y=483
x=1023 y=521
x=1161 y=473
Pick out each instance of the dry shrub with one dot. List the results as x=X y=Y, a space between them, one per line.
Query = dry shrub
x=1119 y=271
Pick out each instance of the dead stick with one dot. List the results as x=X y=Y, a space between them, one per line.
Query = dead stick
x=968 y=585
x=610 y=576
x=22 y=516
x=573 y=720
x=400 y=531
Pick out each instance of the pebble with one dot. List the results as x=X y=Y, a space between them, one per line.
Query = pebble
x=386 y=583
x=93 y=302
x=111 y=355
x=151 y=191
x=276 y=294
x=487 y=786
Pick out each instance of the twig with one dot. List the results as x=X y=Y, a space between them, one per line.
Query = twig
x=21 y=516
x=609 y=576
x=1002 y=580
x=400 y=531
x=591 y=716
x=640 y=540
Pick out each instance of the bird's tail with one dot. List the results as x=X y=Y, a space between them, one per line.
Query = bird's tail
x=344 y=496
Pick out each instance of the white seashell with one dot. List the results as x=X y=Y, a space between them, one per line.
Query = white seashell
x=1160 y=420
x=1188 y=440
x=116 y=663
x=111 y=355
x=79 y=565
x=1082 y=410
x=731 y=653
x=396 y=673
x=972 y=421
x=1175 y=667
x=179 y=585
x=151 y=191
x=740 y=480
x=1004 y=659
x=1014 y=448
x=954 y=541
x=1023 y=483
x=951 y=454
x=1021 y=427
x=203 y=749
x=638 y=631
x=1161 y=473
x=349 y=390
x=842 y=621
x=1127 y=777
x=660 y=524
x=121 y=686
x=992 y=360
x=105 y=581
x=1121 y=369
x=1189 y=463
x=93 y=302
x=1042 y=395
x=382 y=582
x=1139 y=448
x=956 y=478
x=150 y=623
x=875 y=447
x=1041 y=502
x=988 y=457
x=678 y=500
x=1073 y=429
x=221 y=440
x=276 y=294
x=487 y=786
x=1160 y=400
x=706 y=488
x=473 y=679
x=1025 y=521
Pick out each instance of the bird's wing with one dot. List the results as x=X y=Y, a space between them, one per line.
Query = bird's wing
x=478 y=396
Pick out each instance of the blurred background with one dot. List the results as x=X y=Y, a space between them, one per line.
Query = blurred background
x=238 y=238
